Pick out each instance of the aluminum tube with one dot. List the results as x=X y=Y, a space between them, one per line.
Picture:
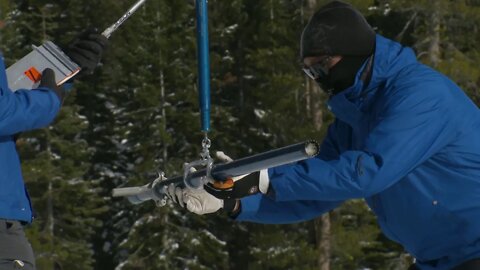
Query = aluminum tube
x=108 y=32
x=270 y=159
x=135 y=195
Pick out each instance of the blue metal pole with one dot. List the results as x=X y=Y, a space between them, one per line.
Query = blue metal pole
x=203 y=63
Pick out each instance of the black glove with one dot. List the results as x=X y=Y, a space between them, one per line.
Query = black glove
x=230 y=189
x=48 y=81
x=87 y=51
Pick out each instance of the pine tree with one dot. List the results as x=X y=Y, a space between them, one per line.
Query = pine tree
x=139 y=113
x=161 y=87
x=5 y=31
x=436 y=30
x=260 y=62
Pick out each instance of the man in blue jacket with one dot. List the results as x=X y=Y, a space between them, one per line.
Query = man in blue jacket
x=406 y=138
x=20 y=111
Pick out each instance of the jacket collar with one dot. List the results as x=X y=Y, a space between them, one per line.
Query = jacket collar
x=389 y=58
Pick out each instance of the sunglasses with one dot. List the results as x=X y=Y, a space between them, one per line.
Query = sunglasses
x=319 y=69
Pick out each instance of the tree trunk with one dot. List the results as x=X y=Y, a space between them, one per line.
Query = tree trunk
x=50 y=218
x=164 y=118
x=308 y=96
x=309 y=86
x=311 y=4
x=162 y=95
x=317 y=106
x=434 y=29
x=272 y=12
x=314 y=110
x=322 y=234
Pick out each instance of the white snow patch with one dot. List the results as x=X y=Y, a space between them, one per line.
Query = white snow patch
x=231 y=28
x=213 y=237
x=106 y=246
x=109 y=105
x=55 y=156
x=259 y=113
x=121 y=265
x=195 y=242
x=227 y=58
x=387 y=10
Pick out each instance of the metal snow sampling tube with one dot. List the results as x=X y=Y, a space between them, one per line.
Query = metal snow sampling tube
x=108 y=32
x=223 y=171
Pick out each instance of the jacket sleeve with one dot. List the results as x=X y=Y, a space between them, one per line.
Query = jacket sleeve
x=413 y=125
x=329 y=149
x=261 y=209
x=25 y=110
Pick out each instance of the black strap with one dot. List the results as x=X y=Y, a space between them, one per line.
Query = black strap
x=473 y=264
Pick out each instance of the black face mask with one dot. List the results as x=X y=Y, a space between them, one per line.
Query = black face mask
x=342 y=75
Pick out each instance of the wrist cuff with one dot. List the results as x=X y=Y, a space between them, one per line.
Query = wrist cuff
x=234 y=214
x=229 y=205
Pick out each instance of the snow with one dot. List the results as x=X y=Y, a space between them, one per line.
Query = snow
x=259 y=113
x=120 y=265
x=106 y=246
x=195 y=242
x=213 y=237
x=231 y=28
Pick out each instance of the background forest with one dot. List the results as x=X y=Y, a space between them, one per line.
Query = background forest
x=139 y=113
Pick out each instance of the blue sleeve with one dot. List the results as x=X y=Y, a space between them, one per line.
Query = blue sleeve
x=410 y=128
x=25 y=110
x=261 y=209
x=329 y=149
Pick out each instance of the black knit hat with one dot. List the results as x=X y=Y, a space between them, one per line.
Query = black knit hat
x=337 y=29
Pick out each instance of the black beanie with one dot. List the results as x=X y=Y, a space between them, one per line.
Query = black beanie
x=337 y=29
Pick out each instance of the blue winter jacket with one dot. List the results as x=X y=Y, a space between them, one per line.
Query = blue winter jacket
x=20 y=111
x=409 y=143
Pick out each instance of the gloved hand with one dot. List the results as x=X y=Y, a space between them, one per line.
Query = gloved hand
x=200 y=202
x=237 y=187
x=48 y=81
x=86 y=50
x=196 y=201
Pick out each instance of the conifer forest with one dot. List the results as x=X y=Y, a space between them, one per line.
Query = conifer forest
x=139 y=113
